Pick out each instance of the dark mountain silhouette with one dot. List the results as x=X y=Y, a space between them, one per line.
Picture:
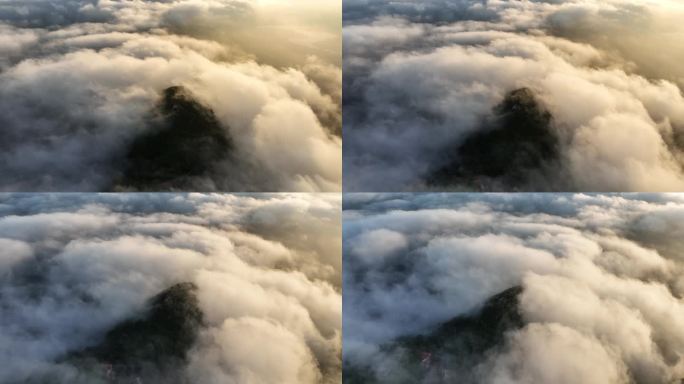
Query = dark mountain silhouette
x=149 y=348
x=185 y=142
x=517 y=144
x=450 y=352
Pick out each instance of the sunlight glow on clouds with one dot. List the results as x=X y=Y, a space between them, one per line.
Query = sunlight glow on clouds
x=421 y=78
x=81 y=81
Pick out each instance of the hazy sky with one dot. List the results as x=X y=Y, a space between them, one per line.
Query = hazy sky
x=267 y=270
x=81 y=80
x=423 y=78
x=602 y=279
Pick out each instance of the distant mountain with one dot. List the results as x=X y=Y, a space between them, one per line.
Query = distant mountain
x=450 y=352
x=515 y=145
x=185 y=141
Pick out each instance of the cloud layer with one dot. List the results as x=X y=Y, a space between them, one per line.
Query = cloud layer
x=423 y=77
x=267 y=270
x=80 y=80
x=601 y=277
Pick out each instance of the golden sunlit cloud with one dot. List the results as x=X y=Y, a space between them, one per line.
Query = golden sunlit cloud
x=579 y=95
x=95 y=90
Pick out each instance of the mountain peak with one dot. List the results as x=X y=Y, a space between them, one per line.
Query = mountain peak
x=517 y=141
x=153 y=343
x=185 y=140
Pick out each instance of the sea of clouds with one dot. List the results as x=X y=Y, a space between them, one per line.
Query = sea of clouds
x=79 y=79
x=602 y=280
x=421 y=76
x=267 y=270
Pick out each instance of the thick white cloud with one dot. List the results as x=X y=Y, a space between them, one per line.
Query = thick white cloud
x=257 y=283
x=601 y=279
x=417 y=84
x=76 y=90
x=540 y=355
